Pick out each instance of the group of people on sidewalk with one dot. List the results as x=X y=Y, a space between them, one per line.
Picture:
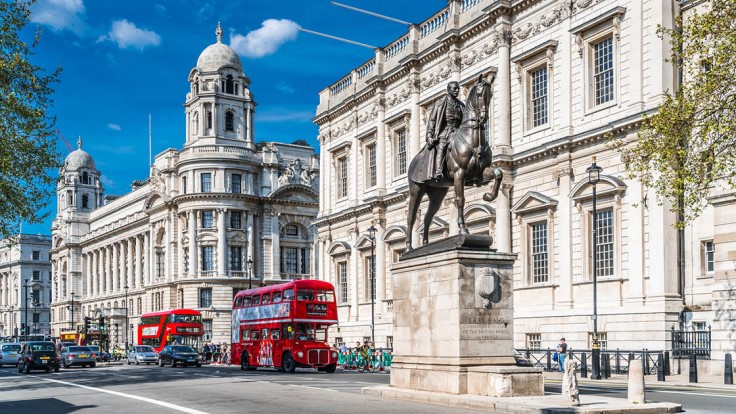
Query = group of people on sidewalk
x=212 y=353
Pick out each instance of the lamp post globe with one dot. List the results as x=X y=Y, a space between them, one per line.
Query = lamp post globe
x=250 y=272
x=594 y=175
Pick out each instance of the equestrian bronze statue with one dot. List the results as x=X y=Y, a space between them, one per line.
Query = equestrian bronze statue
x=465 y=161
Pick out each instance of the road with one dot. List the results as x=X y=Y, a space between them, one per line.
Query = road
x=213 y=389
x=695 y=400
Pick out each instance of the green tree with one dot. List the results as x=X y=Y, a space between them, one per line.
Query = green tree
x=27 y=146
x=689 y=145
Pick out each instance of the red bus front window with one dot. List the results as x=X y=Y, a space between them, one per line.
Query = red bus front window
x=303 y=294
x=325 y=296
x=288 y=331
x=305 y=331
x=289 y=295
x=246 y=301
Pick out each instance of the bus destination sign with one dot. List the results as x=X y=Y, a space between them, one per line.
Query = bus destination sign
x=317 y=309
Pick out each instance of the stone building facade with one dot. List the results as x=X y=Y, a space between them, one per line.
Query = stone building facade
x=569 y=76
x=221 y=214
x=25 y=285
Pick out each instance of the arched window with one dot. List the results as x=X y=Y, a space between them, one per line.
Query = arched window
x=229 y=121
x=85 y=200
x=229 y=84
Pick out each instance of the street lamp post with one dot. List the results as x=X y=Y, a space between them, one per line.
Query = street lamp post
x=126 y=317
x=594 y=174
x=250 y=272
x=72 y=295
x=25 y=316
x=372 y=237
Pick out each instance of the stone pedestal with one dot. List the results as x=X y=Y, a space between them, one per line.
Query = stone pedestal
x=453 y=327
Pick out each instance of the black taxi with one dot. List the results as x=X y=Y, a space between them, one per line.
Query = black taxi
x=38 y=355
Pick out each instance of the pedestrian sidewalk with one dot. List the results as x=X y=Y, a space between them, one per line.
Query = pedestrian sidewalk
x=682 y=379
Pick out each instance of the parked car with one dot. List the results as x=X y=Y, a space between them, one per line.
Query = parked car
x=38 y=355
x=9 y=353
x=142 y=353
x=101 y=356
x=78 y=355
x=521 y=360
x=178 y=354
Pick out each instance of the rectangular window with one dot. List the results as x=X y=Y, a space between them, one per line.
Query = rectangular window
x=235 y=183
x=160 y=264
x=207 y=258
x=604 y=243
x=709 y=251
x=291 y=230
x=208 y=221
x=303 y=261
x=36 y=296
x=36 y=275
x=289 y=256
x=370 y=285
x=235 y=220
x=602 y=340
x=206 y=182
x=205 y=298
x=540 y=260
x=236 y=258
x=207 y=327
x=183 y=185
x=401 y=151
x=603 y=70
x=372 y=166
x=36 y=255
x=534 y=341
x=342 y=178
x=342 y=275
x=539 y=96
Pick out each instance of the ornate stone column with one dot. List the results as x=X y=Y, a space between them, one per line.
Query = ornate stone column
x=138 y=263
x=115 y=268
x=192 y=223
x=221 y=243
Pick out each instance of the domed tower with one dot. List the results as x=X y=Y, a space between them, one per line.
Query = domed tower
x=79 y=188
x=219 y=106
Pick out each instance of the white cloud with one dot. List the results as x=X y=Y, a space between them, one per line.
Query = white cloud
x=127 y=34
x=60 y=15
x=285 y=88
x=265 y=40
x=114 y=127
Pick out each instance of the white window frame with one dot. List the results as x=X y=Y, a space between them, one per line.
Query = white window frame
x=343 y=285
x=587 y=35
x=534 y=208
x=527 y=63
x=531 y=228
x=397 y=134
x=708 y=247
x=342 y=173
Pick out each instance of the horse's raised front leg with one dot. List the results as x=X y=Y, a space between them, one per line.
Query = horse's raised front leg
x=415 y=198
x=488 y=197
x=459 y=186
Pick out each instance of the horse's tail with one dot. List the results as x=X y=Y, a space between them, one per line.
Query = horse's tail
x=488 y=197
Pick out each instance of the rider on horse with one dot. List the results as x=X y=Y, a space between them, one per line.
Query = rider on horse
x=444 y=120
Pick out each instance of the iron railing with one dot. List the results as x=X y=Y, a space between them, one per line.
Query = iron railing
x=612 y=361
x=687 y=343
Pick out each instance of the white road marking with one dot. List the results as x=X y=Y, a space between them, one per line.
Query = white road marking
x=314 y=388
x=694 y=393
x=135 y=397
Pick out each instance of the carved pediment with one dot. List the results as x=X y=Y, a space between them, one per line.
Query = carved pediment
x=339 y=248
x=533 y=201
x=296 y=192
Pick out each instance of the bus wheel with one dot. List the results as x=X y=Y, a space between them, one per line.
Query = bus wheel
x=288 y=363
x=330 y=369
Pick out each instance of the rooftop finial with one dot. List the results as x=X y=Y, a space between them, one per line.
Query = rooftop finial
x=79 y=142
x=218 y=32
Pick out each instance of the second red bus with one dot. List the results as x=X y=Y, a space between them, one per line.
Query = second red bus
x=171 y=327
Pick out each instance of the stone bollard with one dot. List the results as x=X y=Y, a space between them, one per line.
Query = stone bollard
x=728 y=370
x=570 y=391
x=636 y=382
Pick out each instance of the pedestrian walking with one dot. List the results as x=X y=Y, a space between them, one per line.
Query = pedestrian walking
x=561 y=353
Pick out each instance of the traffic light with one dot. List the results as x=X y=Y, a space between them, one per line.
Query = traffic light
x=101 y=324
x=22 y=329
x=86 y=324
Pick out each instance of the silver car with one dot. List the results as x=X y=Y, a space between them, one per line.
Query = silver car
x=9 y=353
x=78 y=355
x=142 y=354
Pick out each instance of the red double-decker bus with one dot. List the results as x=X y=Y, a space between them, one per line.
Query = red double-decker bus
x=284 y=326
x=171 y=327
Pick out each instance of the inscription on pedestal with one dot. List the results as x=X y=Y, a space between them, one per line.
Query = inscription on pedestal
x=483 y=332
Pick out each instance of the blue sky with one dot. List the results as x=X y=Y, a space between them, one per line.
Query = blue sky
x=125 y=60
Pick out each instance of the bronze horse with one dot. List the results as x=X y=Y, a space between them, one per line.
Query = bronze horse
x=468 y=162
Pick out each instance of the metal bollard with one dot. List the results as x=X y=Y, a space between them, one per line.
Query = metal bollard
x=660 y=367
x=618 y=361
x=667 y=363
x=584 y=366
x=728 y=371
x=608 y=366
x=549 y=361
x=693 y=369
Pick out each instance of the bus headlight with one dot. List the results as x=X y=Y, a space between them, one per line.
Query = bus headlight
x=334 y=354
x=300 y=354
